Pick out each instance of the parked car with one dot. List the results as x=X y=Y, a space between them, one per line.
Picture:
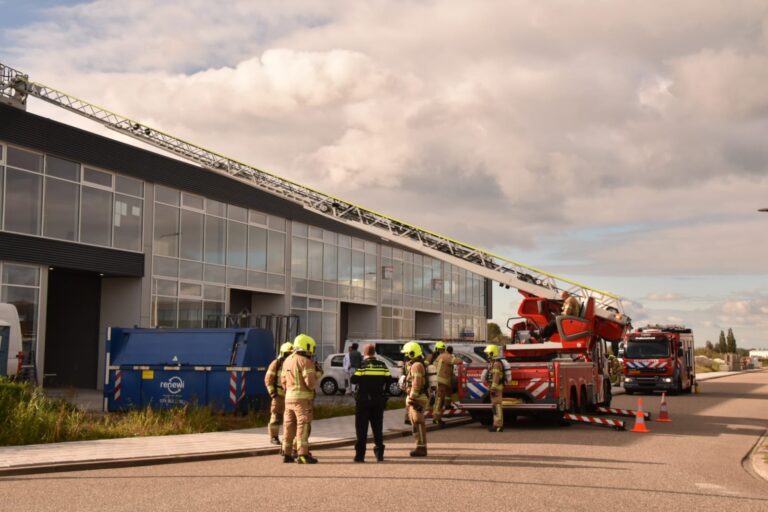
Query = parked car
x=334 y=378
x=389 y=348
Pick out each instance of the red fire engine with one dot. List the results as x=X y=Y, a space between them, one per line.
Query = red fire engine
x=659 y=358
x=567 y=373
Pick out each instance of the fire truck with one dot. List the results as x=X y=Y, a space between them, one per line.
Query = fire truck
x=567 y=373
x=659 y=358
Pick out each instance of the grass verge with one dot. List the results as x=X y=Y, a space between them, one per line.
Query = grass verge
x=27 y=416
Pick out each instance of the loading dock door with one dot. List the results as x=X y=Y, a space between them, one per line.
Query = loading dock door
x=72 y=329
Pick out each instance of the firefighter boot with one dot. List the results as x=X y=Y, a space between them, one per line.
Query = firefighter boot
x=288 y=459
x=420 y=451
x=306 y=459
x=275 y=440
x=378 y=451
x=496 y=429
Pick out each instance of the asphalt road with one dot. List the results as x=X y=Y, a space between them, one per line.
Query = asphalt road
x=693 y=463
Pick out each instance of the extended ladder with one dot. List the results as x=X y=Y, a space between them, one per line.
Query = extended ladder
x=15 y=87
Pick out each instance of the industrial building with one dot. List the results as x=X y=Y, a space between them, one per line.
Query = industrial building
x=97 y=233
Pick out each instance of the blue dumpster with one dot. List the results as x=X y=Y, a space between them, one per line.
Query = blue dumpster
x=164 y=368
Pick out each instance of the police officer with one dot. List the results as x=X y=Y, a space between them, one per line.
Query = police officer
x=416 y=398
x=495 y=379
x=299 y=377
x=276 y=392
x=443 y=362
x=371 y=379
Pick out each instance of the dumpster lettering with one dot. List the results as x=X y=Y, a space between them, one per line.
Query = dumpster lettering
x=174 y=385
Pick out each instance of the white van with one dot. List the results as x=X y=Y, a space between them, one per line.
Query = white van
x=10 y=339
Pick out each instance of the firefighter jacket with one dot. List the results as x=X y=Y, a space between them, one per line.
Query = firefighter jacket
x=299 y=377
x=496 y=375
x=444 y=366
x=372 y=379
x=417 y=381
x=272 y=378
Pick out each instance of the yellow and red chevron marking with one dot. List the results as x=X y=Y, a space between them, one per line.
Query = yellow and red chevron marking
x=623 y=412
x=595 y=420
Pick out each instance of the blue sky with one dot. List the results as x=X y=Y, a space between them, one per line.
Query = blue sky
x=621 y=146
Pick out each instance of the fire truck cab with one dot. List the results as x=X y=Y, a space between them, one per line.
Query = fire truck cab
x=659 y=358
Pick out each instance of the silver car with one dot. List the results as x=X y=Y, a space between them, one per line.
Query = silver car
x=335 y=378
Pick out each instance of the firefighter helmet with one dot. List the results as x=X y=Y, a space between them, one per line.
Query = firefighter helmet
x=286 y=348
x=492 y=351
x=304 y=343
x=440 y=345
x=412 y=350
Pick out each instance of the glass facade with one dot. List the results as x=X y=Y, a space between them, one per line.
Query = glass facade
x=20 y=286
x=201 y=247
x=44 y=195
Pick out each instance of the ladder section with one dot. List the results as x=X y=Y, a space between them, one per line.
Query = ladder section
x=16 y=87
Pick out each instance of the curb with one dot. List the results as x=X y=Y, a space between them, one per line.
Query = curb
x=754 y=461
x=199 y=457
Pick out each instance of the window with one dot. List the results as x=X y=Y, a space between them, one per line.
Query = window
x=128 y=222
x=299 y=258
x=22 y=201
x=215 y=208
x=165 y=313
x=103 y=179
x=24 y=159
x=236 y=244
x=61 y=168
x=61 y=209
x=215 y=234
x=190 y=313
x=166 y=195
x=166 y=230
x=257 y=248
x=192 y=201
x=191 y=238
x=276 y=253
x=330 y=262
x=237 y=213
x=96 y=216
x=129 y=186
x=315 y=260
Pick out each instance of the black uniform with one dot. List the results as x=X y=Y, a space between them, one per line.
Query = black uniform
x=372 y=379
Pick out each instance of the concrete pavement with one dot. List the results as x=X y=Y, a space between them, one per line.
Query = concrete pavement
x=77 y=455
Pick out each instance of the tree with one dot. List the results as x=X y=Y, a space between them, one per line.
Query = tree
x=722 y=346
x=494 y=332
x=731 y=342
x=709 y=346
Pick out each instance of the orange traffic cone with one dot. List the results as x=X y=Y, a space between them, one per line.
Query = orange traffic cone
x=663 y=412
x=640 y=418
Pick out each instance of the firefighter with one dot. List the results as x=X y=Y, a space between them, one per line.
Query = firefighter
x=416 y=397
x=276 y=392
x=495 y=379
x=403 y=380
x=299 y=377
x=571 y=307
x=443 y=362
x=372 y=380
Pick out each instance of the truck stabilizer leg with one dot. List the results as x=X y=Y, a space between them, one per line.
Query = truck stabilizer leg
x=622 y=412
x=595 y=420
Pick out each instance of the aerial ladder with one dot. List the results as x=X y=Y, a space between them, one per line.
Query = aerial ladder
x=15 y=88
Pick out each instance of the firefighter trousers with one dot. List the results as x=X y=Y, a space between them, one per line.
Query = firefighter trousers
x=276 y=410
x=298 y=423
x=443 y=392
x=498 y=412
x=417 y=421
x=369 y=412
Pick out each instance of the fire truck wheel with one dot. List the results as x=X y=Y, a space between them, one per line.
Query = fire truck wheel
x=629 y=391
x=608 y=394
x=484 y=418
x=583 y=401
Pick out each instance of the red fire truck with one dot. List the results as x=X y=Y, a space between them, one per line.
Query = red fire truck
x=659 y=358
x=567 y=373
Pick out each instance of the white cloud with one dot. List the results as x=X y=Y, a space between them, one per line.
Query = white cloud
x=663 y=297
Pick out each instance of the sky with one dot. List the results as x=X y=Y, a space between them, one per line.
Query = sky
x=619 y=144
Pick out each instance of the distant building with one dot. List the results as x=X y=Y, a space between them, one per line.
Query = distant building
x=758 y=353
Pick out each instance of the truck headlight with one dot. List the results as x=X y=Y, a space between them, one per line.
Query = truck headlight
x=628 y=379
x=668 y=379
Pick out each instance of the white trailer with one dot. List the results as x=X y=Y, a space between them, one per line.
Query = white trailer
x=10 y=339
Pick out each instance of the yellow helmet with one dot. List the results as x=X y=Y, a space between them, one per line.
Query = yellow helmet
x=440 y=345
x=412 y=350
x=286 y=348
x=304 y=343
x=492 y=351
